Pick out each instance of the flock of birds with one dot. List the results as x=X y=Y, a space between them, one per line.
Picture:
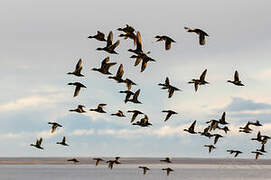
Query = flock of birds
x=128 y=32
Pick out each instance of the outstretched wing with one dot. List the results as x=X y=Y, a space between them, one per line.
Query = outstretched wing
x=78 y=65
x=138 y=41
x=109 y=39
x=202 y=76
x=236 y=76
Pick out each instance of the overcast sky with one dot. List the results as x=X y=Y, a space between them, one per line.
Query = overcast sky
x=42 y=40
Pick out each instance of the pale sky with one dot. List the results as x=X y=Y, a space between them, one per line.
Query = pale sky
x=42 y=40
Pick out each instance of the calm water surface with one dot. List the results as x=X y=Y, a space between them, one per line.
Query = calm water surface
x=132 y=172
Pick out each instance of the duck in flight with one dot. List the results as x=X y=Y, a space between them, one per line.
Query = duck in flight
x=119 y=114
x=78 y=87
x=144 y=122
x=217 y=136
x=171 y=89
x=99 y=109
x=257 y=154
x=169 y=113
x=235 y=152
x=168 y=170
x=105 y=66
x=127 y=29
x=73 y=160
x=200 y=81
x=138 y=49
x=129 y=33
x=129 y=83
x=222 y=120
x=135 y=114
x=257 y=123
x=79 y=109
x=191 y=129
x=200 y=33
x=78 y=69
x=135 y=97
x=167 y=40
x=236 y=80
x=145 y=169
x=166 y=160
x=110 y=47
x=128 y=95
x=166 y=84
x=245 y=129
x=262 y=149
x=210 y=147
x=98 y=160
x=38 y=144
x=258 y=138
x=119 y=75
x=99 y=36
x=54 y=126
x=63 y=142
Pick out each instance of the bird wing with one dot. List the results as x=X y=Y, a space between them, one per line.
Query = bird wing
x=170 y=92
x=105 y=62
x=39 y=142
x=196 y=85
x=167 y=81
x=113 y=46
x=193 y=125
x=109 y=39
x=143 y=65
x=138 y=60
x=223 y=116
x=64 y=140
x=201 y=39
x=120 y=71
x=202 y=76
x=138 y=41
x=78 y=65
x=134 y=116
x=53 y=128
x=168 y=44
x=236 y=76
x=168 y=116
x=216 y=139
x=101 y=105
x=136 y=94
x=76 y=91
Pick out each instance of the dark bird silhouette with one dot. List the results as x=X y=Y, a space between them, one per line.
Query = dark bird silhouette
x=191 y=129
x=78 y=87
x=265 y=139
x=217 y=136
x=199 y=32
x=200 y=81
x=145 y=169
x=166 y=84
x=110 y=47
x=128 y=95
x=63 y=142
x=78 y=68
x=99 y=109
x=167 y=40
x=167 y=160
x=119 y=114
x=235 y=152
x=210 y=147
x=38 y=144
x=222 y=119
x=262 y=149
x=99 y=36
x=129 y=83
x=119 y=75
x=79 y=109
x=206 y=132
x=127 y=29
x=135 y=97
x=105 y=66
x=258 y=138
x=245 y=129
x=213 y=124
x=257 y=154
x=144 y=122
x=171 y=90
x=110 y=163
x=168 y=170
x=130 y=35
x=236 y=80
x=257 y=123
x=225 y=129
x=54 y=126
x=169 y=113
x=73 y=160
x=98 y=160
x=138 y=49
x=135 y=113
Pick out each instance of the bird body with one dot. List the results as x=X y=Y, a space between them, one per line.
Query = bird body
x=78 y=68
x=63 y=142
x=191 y=129
x=200 y=33
x=200 y=81
x=79 y=109
x=168 y=170
x=99 y=36
x=38 y=144
x=78 y=87
x=105 y=66
x=99 y=109
x=54 y=126
x=169 y=114
x=135 y=114
x=236 y=80
x=167 y=40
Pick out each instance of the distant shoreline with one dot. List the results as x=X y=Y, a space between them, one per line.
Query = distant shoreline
x=131 y=160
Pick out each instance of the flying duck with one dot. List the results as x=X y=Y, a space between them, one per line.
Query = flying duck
x=79 y=109
x=257 y=154
x=98 y=160
x=211 y=147
x=78 y=86
x=54 y=126
x=129 y=83
x=78 y=68
x=74 y=160
x=200 y=33
x=191 y=128
x=99 y=36
x=234 y=151
x=99 y=109
x=110 y=47
x=167 y=160
x=119 y=75
x=135 y=97
x=167 y=40
x=105 y=66
x=169 y=113
x=38 y=144
x=236 y=80
x=119 y=114
x=63 y=142
x=200 y=81
x=168 y=170
x=135 y=113
x=145 y=169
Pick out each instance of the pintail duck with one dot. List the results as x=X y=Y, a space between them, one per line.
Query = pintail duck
x=74 y=160
x=191 y=129
x=144 y=122
x=257 y=154
x=119 y=114
x=78 y=87
x=99 y=109
x=98 y=160
x=129 y=83
x=99 y=36
x=169 y=113
x=234 y=151
x=236 y=81
x=63 y=142
x=211 y=147
x=38 y=144
x=79 y=109
x=128 y=95
x=144 y=58
x=119 y=75
x=127 y=29
x=105 y=66
x=168 y=170
x=138 y=49
x=145 y=169
x=200 y=81
x=135 y=97
x=129 y=33
x=167 y=40
x=78 y=68
x=110 y=47
x=135 y=113
x=54 y=126
x=167 y=160
x=200 y=33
